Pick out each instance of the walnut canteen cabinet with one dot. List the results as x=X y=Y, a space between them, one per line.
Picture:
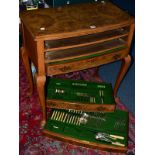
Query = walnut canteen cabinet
x=71 y=38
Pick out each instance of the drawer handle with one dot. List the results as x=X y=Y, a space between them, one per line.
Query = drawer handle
x=65 y=68
x=116 y=57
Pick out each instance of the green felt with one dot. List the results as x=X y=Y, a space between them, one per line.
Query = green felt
x=115 y=123
x=89 y=56
x=80 y=91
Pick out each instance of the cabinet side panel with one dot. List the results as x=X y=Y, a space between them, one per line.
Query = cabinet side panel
x=30 y=46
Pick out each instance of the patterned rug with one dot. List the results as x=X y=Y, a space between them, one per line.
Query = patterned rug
x=31 y=140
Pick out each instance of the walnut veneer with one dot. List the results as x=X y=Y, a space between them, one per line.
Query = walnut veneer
x=71 y=38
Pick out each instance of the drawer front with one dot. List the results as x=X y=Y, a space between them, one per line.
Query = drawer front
x=59 y=104
x=62 y=55
x=66 y=43
x=83 y=46
x=66 y=67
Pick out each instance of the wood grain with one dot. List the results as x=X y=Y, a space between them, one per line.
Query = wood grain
x=68 y=30
x=62 y=23
x=86 y=63
x=72 y=42
x=40 y=81
x=124 y=67
x=30 y=46
x=26 y=63
x=84 y=143
x=59 y=104
x=72 y=53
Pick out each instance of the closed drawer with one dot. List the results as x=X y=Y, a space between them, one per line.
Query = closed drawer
x=67 y=66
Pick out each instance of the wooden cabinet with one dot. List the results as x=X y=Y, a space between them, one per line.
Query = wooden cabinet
x=71 y=38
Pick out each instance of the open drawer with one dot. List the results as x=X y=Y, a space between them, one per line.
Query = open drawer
x=79 y=94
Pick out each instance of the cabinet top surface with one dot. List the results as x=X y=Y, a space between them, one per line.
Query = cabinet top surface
x=79 y=18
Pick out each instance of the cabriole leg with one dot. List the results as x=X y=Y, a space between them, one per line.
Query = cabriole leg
x=124 y=67
x=26 y=63
x=40 y=81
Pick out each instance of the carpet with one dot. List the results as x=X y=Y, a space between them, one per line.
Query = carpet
x=32 y=142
